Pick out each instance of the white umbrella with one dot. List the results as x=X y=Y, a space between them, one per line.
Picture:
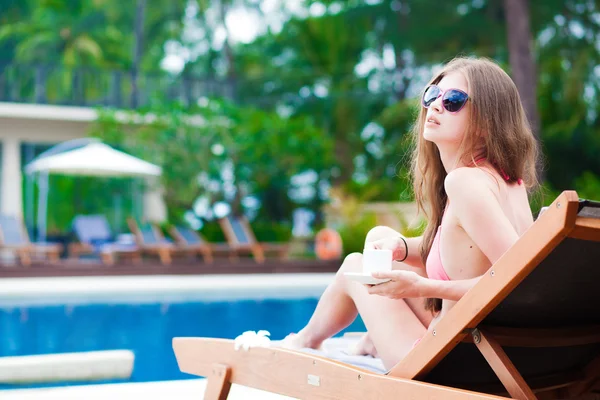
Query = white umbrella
x=93 y=159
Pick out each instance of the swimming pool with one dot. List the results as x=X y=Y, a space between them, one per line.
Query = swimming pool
x=147 y=323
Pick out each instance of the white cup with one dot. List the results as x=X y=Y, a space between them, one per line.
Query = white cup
x=375 y=260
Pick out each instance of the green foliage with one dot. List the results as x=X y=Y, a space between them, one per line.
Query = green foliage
x=83 y=32
x=588 y=186
x=354 y=232
x=272 y=232
x=264 y=231
x=212 y=232
x=414 y=231
x=203 y=149
x=348 y=78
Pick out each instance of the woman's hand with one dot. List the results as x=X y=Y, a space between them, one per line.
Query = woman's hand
x=394 y=243
x=403 y=284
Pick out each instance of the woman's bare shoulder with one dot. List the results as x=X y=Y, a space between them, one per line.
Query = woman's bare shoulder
x=467 y=183
x=474 y=195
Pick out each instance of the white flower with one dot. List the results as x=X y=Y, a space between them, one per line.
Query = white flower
x=252 y=339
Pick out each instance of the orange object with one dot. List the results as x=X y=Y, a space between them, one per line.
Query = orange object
x=328 y=244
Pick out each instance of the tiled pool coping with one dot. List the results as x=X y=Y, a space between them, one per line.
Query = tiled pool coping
x=159 y=288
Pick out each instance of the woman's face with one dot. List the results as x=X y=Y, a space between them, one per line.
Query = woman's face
x=441 y=126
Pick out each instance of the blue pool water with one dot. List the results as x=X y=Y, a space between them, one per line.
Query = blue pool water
x=146 y=329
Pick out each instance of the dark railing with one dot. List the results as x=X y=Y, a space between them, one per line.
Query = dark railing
x=89 y=87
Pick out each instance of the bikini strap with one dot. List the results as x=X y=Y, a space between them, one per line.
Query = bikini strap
x=504 y=174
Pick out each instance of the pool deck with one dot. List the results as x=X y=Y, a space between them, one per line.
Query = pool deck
x=178 y=267
x=20 y=292
x=189 y=389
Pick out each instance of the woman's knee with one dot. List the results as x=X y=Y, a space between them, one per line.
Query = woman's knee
x=352 y=263
x=379 y=232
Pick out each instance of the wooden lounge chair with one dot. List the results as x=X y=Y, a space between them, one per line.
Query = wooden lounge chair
x=94 y=236
x=529 y=329
x=13 y=236
x=191 y=242
x=241 y=239
x=151 y=240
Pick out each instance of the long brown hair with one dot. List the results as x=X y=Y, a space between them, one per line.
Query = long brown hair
x=497 y=130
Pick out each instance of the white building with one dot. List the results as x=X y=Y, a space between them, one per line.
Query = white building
x=25 y=126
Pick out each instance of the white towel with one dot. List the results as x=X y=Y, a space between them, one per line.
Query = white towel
x=340 y=349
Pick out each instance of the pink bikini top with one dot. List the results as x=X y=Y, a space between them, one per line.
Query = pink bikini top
x=434 y=267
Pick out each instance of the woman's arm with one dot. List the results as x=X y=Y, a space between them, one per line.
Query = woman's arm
x=414 y=251
x=448 y=290
x=476 y=206
x=474 y=201
x=408 y=284
x=387 y=238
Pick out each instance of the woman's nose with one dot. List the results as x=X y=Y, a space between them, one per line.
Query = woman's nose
x=437 y=105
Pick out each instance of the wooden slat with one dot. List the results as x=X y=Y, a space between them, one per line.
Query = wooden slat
x=591 y=376
x=504 y=369
x=302 y=375
x=219 y=383
x=524 y=256
x=228 y=232
x=586 y=229
x=540 y=385
x=558 y=337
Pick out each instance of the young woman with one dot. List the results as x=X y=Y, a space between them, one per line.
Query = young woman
x=474 y=159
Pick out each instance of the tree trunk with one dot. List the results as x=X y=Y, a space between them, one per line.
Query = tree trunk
x=231 y=73
x=138 y=45
x=401 y=26
x=521 y=60
x=345 y=159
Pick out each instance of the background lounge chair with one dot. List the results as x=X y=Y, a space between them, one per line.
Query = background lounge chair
x=241 y=238
x=191 y=242
x=151 y=240
x=529 y=329
x=13 y=235
x=95 y=237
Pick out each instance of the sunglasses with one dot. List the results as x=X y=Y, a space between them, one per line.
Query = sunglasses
x=453 y=100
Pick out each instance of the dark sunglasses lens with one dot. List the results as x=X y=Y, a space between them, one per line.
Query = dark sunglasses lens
x=454 y=100
x=431 y=93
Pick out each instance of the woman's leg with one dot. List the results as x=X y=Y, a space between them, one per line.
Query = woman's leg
x=417 y=305
x=392 y=325
x=334 y=312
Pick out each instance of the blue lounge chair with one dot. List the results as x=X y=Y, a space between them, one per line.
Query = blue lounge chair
x=151 y=241
x=190 y=241
x=241 y=239
x=95 y=237
x=13 y=236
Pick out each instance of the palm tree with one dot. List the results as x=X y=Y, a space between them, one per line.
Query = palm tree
x=73 y=33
